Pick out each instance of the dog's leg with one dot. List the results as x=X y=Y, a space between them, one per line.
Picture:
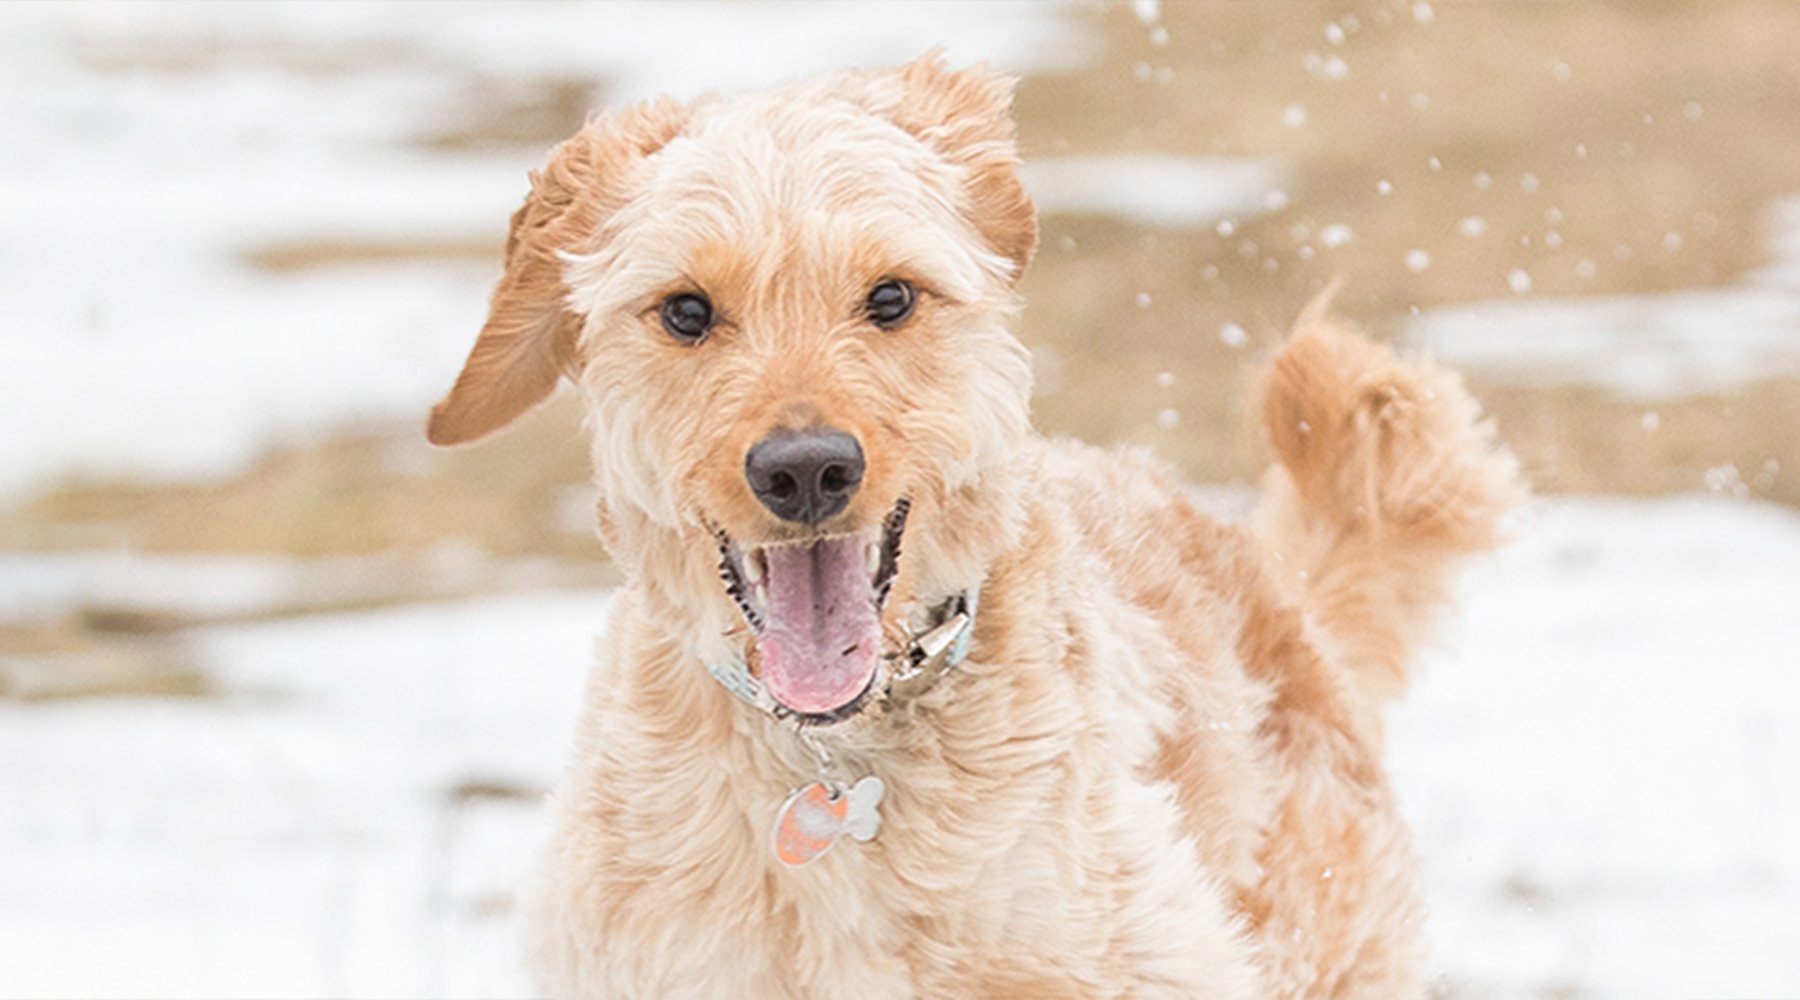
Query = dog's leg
x=1386 y=477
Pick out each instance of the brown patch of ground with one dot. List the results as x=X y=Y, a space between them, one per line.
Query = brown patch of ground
x=501 y=114
x=308 y=254
x=1593 y=148
x=61 y=660
x=521 y=493
x=1630 y=121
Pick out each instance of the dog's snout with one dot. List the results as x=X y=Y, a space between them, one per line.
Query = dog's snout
x=805 y=476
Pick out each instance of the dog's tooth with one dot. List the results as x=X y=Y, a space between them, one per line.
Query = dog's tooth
x=872 y=555
x=753 y=570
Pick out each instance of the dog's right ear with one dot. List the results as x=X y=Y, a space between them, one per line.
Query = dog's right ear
x=967 y=116
x=530 y=338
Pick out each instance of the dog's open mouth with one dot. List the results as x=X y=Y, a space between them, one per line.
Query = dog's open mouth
x=814 y=607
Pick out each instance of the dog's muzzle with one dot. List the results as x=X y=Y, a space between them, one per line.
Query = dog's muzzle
x=814 y=610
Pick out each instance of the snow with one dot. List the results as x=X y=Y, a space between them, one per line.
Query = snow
x=1599 y=768
x=1596 y=761
x=1172 y=191
x=302 y=835
x=1641 y=346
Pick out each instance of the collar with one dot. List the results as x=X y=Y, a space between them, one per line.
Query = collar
x=911 y=671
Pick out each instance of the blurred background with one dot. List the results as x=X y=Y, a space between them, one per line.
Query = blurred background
x=281 y=686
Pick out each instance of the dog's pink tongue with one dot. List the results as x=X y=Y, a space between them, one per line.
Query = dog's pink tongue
x=822 y=639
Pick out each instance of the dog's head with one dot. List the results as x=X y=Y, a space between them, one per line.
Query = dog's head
x=789 y=315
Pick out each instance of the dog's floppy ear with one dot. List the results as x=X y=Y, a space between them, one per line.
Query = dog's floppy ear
x=529 y=340
x=967 y=117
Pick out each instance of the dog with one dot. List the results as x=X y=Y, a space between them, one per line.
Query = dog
x=900 y=699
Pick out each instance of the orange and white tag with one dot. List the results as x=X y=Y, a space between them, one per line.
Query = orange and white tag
x=816 y=814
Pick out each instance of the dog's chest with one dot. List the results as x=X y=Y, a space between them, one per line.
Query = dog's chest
x=1019 y=882
x=852 y=924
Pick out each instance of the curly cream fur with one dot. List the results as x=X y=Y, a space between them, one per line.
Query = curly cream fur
x=1157 y=773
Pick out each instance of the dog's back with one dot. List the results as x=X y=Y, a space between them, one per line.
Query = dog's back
x=1386 y=479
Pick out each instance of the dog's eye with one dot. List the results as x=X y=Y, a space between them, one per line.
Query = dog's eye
x=890 y=303
x=687 y=317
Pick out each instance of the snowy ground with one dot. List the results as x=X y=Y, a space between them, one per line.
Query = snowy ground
x=346 y=819
x=1600 y=766
x=1597 y=763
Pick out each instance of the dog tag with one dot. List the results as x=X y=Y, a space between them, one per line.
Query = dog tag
x=816 y=814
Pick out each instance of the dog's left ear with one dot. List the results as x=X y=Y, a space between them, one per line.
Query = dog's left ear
x=529 y=340
x=966 y=116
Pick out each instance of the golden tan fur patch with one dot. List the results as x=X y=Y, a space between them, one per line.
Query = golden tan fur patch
x=1158 y=771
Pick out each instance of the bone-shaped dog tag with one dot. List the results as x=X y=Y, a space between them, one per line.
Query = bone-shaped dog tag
x=815 y=814
x=863 y=819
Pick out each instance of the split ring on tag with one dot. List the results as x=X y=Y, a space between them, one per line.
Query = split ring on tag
x=816 y=814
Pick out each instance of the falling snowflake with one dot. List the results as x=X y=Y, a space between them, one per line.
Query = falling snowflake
x=1725 y=479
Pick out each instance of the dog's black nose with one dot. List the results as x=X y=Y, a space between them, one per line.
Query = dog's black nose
x=805 y=476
